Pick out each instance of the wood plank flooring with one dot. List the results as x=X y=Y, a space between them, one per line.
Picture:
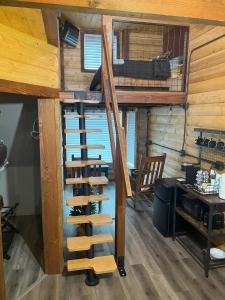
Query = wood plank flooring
x=22 y=270
x=157 y=269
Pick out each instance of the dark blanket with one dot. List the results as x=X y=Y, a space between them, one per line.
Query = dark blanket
x=157 y=69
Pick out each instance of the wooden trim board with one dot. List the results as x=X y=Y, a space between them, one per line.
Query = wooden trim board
x=189 y=10
x=147 y=98
x=13 y=87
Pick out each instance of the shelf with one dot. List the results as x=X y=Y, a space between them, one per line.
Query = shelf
x=194 y=246
x=212 y=131
x=197 y=225
x=211 y=149
x=207 y=199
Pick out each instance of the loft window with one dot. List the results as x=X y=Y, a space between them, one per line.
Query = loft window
x=92 y=51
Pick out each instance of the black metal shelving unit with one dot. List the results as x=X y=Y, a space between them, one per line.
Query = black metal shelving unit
x=199 y=248
x=214 y=156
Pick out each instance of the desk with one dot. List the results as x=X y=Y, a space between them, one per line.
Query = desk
x=199 y=247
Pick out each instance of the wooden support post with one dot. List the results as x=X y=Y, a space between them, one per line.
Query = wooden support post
x=120 y=213
x=51 y=183
x=2 y=280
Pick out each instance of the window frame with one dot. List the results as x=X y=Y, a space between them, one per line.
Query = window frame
x=82 y=33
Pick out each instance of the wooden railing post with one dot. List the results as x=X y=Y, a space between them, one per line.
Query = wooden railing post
x=122 y=181
x=120 y=189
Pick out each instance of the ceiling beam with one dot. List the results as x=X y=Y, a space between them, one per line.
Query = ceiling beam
x=150 y=98
x=204 y=11
x=12 y=87
x=51 y=26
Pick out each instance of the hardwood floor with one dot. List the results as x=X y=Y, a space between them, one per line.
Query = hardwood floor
x=30 y=228
x=22 y=270
x=157 y=268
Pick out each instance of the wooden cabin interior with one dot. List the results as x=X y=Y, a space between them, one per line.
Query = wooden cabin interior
x=112 y=150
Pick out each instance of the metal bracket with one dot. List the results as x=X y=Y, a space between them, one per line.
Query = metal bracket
x=185 y=105
x=122 y=271
x=182 y=153
x=120 y=266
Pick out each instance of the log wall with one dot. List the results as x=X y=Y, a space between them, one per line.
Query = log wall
x=145 y=44
x=75 y=79
x=206 y=97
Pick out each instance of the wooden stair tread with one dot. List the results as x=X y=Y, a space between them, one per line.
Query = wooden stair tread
x=86 y=116
x=82 y=130
x=76 y=180
x=100 y=264
x=91 y=180
x=85 y=242
x=84 y=147
x=98 y=180
x=84 y=163
x=84 y=200
x=95 y=220
x=71 y=101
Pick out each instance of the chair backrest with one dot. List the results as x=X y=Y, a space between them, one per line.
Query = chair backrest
x=151 y=168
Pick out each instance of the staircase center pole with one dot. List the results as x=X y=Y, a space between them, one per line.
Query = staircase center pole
x=91 y=278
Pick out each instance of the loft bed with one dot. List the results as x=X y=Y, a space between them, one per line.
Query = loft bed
x=146 y=57
x=156 y=74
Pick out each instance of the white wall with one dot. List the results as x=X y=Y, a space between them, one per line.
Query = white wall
x=20 y=181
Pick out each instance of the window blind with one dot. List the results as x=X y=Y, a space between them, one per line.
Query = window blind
x=93 y=50
x=99 y=138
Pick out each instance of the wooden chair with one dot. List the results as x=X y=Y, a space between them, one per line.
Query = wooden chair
x=143 y=179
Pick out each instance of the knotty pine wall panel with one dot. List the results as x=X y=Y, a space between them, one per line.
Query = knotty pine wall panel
x=144 y=45
x=206 y=96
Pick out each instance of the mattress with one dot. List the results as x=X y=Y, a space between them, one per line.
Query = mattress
x=157 y=69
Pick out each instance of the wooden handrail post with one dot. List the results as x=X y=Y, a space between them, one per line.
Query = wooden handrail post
x=115 y=109
x=122 y=181
x=120 y=213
